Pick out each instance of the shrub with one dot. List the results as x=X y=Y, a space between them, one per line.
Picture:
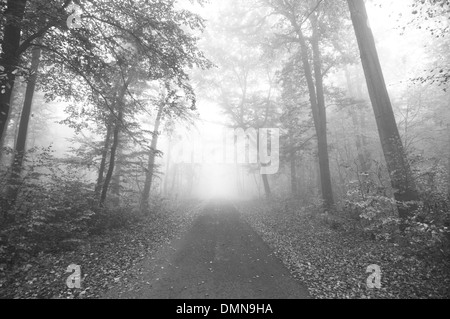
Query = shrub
x=373 y=213
x=55 y=205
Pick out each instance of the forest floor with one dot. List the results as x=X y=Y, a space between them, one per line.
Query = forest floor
x=220 y=257
x=333 y=264
x=105 y=260
x=251 y=250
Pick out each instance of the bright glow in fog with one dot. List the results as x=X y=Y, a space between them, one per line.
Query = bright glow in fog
x=217 y=182
x=214 y=179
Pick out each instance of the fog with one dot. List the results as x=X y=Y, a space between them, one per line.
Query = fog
x=404 y=52
x=317 y=131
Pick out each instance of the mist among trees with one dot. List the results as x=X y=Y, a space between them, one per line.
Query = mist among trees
x=103 y=104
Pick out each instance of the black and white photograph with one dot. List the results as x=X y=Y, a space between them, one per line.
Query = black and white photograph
x=218 y=157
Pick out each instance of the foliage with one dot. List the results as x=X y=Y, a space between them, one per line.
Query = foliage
x=371 y=211
x=108 y=259
x=433 y=16
x=333 y=264
x=436 y=11
x=54 y=205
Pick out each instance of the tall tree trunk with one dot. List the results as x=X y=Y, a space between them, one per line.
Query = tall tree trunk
x=191 y=176
x=359 y=142
x=102 y=167
x=168 y=159
x=112 y=157
x=361 y=111
x=324 y=161
x=294 y=187
x=118 y=124
x=399 y=169
x=243 y=181
x=366 y=155
x=257 y=185
x=238 y=182
x=151 y=161
x=266 y=185
x=174 y=179
x=23 y=130
x=115 y=184
x=16 y=132
x=448 y=167
x=9 y=60
x=357 y=118
x=14 y=97
x=448 y=178
x=318 y=110
x=26 y=112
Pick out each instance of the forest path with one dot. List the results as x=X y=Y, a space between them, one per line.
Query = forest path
x=220 y=257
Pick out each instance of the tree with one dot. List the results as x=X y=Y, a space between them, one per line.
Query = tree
x=148 y=36
x=448 y=165
x=397 y=163
x=119 y=106
x=245 y=83
x=9 y=60
x=18 y=37
x=149 y=173
x=14 y=116
x=296 y=119
x=357 y=106
x=23 y=129
x=297 y=15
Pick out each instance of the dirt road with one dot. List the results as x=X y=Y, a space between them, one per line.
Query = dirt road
x=219 y=257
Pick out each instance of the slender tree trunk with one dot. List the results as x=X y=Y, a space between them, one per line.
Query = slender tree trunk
x=324 y=161
x=102 y=167
x=191 y=176
x=23 y=130
x=115 y=184
x=238 y=183
x=116 y=135
x=151 y=161
x=257 y=185
x=399 y=169
x=357 y=124
x=448 y=166
x=16 y=132
x=174 y=179
x=361 y=113
x=319 y=113
x=112 y=157
x=168 y=159
x=266 y=185
x=243 y=181
x=14 y=96
x=366 y=154
x=361 y=147
x=9 y=60
x=294 y=188
x=448 y=179
x=26 y=112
